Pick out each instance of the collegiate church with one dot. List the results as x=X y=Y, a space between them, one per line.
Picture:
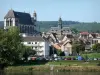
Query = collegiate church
x=23 y=20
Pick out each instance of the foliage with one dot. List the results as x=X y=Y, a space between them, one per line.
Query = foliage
x=96 y=47
x=44 y=26
x=59 y=52
x=11 y=48
x=78 y=46
x=91 y=27
x=92 y=55
x=75 y=31
x=92 y=68
x=28 y=52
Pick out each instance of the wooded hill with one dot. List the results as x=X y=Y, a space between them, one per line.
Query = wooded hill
x=90 y=27
x=1 y=24
x=44 y=26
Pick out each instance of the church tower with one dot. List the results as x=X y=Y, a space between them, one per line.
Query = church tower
x=60 y=23
x=35 y=16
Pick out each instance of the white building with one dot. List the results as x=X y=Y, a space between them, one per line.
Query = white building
x=37 y=43
x=95 y=40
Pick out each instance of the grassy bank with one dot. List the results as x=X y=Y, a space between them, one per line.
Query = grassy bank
x=92 y=55
x=58 y=66
x=74 y=63
x=53 y=68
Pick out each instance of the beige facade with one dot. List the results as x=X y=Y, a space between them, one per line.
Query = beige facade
x=96 y=40
x=67 y=47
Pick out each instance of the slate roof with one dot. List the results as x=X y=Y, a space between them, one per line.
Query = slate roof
x=60 y=37
x=69 y=36
x=23 y=18
x=57 y=29
x=33 y=38
x=66 y=28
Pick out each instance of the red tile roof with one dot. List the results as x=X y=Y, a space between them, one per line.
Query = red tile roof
x=84 y=33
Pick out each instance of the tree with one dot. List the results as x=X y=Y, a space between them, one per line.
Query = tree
x=58 y=52
x=28 y=52
x=74 y=30
x=11 y=48
x=78 y=46
x=96 y=47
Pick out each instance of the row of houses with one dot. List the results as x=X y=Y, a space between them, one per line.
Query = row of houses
x=42 y=44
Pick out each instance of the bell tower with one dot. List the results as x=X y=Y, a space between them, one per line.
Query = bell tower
x=35 y=16
x=60 y=23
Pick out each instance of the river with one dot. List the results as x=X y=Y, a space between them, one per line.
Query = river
x=49 y=73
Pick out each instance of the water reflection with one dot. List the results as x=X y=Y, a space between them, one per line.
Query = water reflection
x=49 y=73
x=2 y=72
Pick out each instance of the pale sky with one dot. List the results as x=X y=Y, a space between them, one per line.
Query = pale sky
x=50 y=10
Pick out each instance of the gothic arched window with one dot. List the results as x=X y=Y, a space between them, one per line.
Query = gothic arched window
x=7 y=22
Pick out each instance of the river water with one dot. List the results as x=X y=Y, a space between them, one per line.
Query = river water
x=49 y=73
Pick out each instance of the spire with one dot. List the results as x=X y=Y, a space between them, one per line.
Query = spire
x=35 y=15
x=60 y=22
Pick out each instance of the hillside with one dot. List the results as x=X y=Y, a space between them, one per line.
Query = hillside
x=46 y=25
x=1 y=24
x=91 y=27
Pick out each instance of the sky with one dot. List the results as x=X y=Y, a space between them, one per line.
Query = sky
x=51 y=10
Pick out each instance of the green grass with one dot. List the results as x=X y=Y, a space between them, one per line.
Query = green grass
x=58 y=65
x=74 y=63
x=61 y=65
x=92 y=55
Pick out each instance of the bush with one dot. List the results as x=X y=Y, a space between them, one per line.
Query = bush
x=98 y=63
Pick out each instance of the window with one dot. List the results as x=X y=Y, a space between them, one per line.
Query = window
x=7 y=22
x=35 y=47
x=32 y=47
x=35 y=42
x=29 y=42
x=94 y=41
x=40 y=47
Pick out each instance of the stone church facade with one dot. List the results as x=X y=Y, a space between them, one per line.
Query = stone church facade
x=23 y=20
x=60 y=29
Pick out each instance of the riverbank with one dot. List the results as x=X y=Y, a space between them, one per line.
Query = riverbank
x=53 y=68
x=91 y=66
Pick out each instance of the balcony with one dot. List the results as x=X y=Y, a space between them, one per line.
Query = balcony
x=34 y=45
